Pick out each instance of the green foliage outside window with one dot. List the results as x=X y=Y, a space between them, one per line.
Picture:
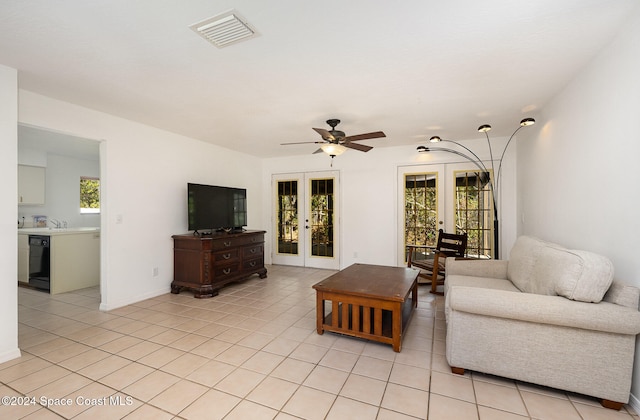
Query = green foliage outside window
x=89 y=195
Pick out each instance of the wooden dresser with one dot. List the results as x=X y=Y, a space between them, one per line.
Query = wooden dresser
x=206 y=263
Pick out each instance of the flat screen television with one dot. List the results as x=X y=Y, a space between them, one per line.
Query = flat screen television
x=213 y=208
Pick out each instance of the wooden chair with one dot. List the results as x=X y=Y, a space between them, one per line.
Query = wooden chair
x=432 y=269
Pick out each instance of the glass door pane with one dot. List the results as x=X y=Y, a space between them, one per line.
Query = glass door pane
x=420 y=210
x=322 y=221
x=474 y=211
x=287 y=217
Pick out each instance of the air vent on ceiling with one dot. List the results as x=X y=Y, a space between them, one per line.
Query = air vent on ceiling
x=224 y=29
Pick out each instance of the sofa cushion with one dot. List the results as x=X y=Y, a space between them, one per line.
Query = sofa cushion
x=580 y=275
x=623 y=294
x=522 y=262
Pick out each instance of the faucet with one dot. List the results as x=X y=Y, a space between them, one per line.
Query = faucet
x=56 y=223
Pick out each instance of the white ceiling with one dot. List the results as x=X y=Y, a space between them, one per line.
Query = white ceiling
x=412 y=68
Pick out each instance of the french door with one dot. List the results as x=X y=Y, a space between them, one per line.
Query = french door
x=306 y=219
x=455 y=197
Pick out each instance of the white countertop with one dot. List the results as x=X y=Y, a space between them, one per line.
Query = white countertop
x=56 y=231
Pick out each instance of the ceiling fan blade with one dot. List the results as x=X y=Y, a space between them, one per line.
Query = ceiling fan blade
x=303 y=142
x=325 y=134
x=356 y=146
x=374 y=135
x=317 y=151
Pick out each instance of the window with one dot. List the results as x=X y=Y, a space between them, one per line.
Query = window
x=420 y=210
x=474 y=211
x=89 y=195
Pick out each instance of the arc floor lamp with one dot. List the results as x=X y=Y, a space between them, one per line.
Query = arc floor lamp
x=469 y=155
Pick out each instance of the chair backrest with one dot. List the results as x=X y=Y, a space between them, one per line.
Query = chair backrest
x=451 y=244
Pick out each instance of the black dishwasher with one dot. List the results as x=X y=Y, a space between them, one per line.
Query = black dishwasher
x=39 y=262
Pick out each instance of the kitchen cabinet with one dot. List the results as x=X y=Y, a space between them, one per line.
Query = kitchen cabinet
x=23 y=258
x=31 y=185
x=74 y=257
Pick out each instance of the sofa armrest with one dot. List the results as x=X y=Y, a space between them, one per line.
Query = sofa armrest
x=479 y=268
x=543 y=309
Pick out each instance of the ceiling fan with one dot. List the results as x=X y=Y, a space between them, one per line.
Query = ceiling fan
x=335 y=142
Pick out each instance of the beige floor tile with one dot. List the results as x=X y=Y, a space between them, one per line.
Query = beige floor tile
x=151 y=385
x=500 y=397
x=453 y=386
x=140 y=350
x=263 y=362
x=211 y=373
x=256 y=345
x=184 y=365
x=373 y=368
x=326 y=379
x=410 y=376
x=256 y=340
x=161 y=357
x=344 y=408
x=178 y=396
x=120 y=344
x=239 y=382
x=273 y=392
x=310 y=404
x=406 y=400
x=146 y=412
x=488 y=413
x=309 y=353
x=124 y=377
x=249 y=410
x=84 y=359
x=236 y=355
x=445 y=408
x=62 y=387
x=365 y=389
x=593 y=412
x=211 y=348
x=281 y=346
x=340 y=360
x=293 y=370
x=104 y=367
x=212 y=405
x=35 y=380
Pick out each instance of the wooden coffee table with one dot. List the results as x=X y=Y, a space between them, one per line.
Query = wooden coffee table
x=368 y=301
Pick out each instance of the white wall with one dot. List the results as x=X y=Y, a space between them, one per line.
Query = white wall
x=62 y=191
x=369 y=191
x=8 y=214
x=144 y=175
x=577 y=181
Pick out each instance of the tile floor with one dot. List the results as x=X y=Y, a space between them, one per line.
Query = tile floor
x=250 y=353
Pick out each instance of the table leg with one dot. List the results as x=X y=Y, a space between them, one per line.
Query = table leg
x=396 y=329
x=319 y=312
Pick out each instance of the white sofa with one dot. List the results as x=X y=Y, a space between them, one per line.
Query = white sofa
x=549 y=316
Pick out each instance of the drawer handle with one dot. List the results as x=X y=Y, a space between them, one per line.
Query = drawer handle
x=226 y=256
x=252 y=263
x=226 y=270
x=253 y=250
x=227 y=244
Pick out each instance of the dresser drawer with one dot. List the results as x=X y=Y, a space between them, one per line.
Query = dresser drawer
x=252 y=251
x=220 y=273
x=226 y=256
x=219 y=244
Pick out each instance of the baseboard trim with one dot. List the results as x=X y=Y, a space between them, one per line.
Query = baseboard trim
x=634 y=403
x=10 y=355
x=140 y=298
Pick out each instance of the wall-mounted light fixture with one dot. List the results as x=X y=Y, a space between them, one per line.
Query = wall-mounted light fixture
x=469 y=155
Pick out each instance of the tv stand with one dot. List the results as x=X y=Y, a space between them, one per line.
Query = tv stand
x=206 y=263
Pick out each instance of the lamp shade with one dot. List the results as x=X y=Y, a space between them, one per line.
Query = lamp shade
x=333 y=149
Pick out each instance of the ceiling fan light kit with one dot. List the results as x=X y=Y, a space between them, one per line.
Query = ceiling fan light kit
x=335 y=142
